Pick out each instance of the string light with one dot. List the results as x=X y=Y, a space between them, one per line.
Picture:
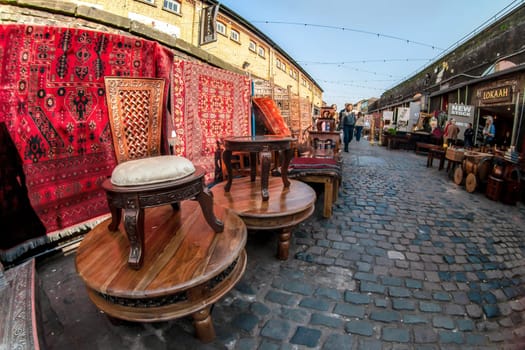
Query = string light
x=379 y=35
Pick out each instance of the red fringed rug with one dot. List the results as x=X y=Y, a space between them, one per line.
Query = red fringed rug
x=207 y=104
x=52 y=101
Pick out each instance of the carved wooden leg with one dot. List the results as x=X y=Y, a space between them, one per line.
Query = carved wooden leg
x=205 y=199
x=116 y=216
x=227 y=158
x=253 y=166
x=134 y=225
x=328 y=197
x=266 y=158
x=283 y=247
x=284 y=167
x=203 y=325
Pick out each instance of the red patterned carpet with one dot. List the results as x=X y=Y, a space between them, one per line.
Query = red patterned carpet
x=207 y=104
x=52 y=101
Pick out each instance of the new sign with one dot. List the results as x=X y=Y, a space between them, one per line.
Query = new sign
x=458 y=110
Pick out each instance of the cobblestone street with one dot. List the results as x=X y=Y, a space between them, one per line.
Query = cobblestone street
x=409 y=260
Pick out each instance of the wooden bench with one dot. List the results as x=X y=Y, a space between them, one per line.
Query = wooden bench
x=424 y=147
x=18 y=319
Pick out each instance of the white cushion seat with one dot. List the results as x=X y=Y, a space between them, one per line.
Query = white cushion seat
x=151 y=170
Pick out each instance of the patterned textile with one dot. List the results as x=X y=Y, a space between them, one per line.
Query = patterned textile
x=52 y=102
x=301 y=166
x=207 y=104
x=269 y=113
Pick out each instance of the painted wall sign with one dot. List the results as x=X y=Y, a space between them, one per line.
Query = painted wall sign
x=459 y=110
x=497 y=94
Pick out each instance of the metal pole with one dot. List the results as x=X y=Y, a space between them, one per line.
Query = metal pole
x=515 y=123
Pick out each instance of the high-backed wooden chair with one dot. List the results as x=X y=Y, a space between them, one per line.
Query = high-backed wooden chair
x=143 y=177
x=135 y=107
x=321 y=163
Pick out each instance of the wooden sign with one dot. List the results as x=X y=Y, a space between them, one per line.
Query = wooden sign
x=497 y=94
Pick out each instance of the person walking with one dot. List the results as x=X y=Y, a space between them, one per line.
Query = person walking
x=359 y=125
x=468 y=136
x=451 y=133
x=348 y=121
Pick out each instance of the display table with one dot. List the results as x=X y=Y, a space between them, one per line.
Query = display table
x=264 y=146
x=286 y=207
x=187 y=269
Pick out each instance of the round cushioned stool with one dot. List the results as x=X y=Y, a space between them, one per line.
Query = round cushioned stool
x=149 y=182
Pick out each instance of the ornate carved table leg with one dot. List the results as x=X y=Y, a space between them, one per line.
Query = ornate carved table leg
x=287 y=156
x=203 y=325
x=266 y=156
x=283 y=247
x=134 y=225
x=253 y=166
x=227 y=157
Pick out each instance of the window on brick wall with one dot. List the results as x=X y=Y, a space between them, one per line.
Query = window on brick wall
x=172 y=6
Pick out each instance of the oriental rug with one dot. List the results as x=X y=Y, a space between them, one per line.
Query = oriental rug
x=52 y=101
x=208 y=104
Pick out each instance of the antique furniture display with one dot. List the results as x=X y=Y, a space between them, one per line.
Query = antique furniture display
x=263 y=146
x=285 y=208
x=187 y=269
x=143 y=178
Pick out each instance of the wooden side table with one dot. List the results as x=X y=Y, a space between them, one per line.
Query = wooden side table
x=134 y=199
x=262 y=145
x=187 y=269
x=285 y=208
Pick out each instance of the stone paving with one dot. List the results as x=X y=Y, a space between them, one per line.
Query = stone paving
x=409 y=260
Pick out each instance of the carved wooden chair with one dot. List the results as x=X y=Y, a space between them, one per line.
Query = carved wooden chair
x=143 y=177
x=322 y=163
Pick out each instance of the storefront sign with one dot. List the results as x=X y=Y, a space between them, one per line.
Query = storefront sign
x=498 y=94
x=208 y=32
x=460 y=110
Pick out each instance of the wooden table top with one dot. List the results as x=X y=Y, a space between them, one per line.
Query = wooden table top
x=245 y=197
x=180 y=254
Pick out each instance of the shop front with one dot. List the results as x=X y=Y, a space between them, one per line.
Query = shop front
x=501 y=101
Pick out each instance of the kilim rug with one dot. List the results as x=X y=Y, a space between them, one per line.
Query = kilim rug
x=52 y=101
x=208 y=104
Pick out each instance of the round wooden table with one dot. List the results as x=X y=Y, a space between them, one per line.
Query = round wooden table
x=262 y=145
x=187 y=266
x=286 y=207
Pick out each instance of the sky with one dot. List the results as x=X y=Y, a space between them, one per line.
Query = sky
x=358 y=49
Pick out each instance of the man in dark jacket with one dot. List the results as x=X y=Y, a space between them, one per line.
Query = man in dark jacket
x=348 y=121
